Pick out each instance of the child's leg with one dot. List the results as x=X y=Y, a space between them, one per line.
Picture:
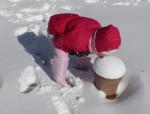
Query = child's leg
x=60 y=66
x=83 y=63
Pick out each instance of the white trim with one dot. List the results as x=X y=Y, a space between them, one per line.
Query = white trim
x=94 y=40
x=92 y=47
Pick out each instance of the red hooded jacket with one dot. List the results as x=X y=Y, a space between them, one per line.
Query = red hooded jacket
x=72 y=32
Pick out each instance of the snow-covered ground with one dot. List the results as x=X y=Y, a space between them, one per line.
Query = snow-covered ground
x=26 y=86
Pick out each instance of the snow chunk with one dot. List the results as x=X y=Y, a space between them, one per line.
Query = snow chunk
x=91 y=1
x=60 y=105
x=28 y=79
x=20 y=31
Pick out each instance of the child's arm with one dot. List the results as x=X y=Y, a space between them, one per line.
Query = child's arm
x=60 y=66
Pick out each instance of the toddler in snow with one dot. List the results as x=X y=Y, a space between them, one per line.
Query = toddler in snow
x=77 y=35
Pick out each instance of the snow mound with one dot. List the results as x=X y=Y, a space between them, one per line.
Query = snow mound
x=28 y=79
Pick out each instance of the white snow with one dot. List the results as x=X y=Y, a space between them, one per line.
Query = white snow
x=60 y=105
x=20 y=31
x=80 y=99
x=44 y=89
x=46 y=97
x=19 y=15
x=29 y=10
x=45 y=7
x=5 y=13
x=68 y=7
x=122 y=4
x=123 y=84
x=34 y=18
x=28 y=78
x=128 y=3
x=91 y=1
x=102 y=94
x=13 y=1
x=35 y=29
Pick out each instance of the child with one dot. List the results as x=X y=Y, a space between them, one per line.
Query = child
x=80 y=36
